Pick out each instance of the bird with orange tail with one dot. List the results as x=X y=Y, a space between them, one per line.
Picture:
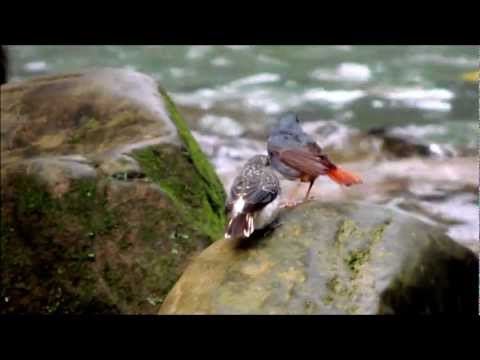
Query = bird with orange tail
x=297 y=156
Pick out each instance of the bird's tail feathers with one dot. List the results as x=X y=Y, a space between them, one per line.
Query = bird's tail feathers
x=344 y=177
x=240 y=226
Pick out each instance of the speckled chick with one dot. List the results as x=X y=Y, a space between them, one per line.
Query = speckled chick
x=254 y=198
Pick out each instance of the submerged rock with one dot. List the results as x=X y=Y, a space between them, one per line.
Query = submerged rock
x=105 y=194
x=326 y=258
x=398 y=145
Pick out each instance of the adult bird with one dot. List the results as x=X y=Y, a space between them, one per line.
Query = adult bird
x=297 y=156
x=254 y=202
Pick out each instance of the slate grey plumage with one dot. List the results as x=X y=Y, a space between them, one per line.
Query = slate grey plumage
x=297 y=156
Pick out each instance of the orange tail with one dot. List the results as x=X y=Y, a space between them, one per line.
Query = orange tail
x=344 y=177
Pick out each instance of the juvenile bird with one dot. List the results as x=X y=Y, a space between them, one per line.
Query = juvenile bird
x=254 y=200
x=297 y=156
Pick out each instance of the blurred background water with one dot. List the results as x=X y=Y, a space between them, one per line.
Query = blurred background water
x=404 y=117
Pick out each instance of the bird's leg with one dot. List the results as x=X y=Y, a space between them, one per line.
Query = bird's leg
x=309 y=188
x=290 y=203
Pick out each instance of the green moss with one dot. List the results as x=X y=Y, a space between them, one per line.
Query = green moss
x=81 y=134
x=34 y=198
x=176 y=176
x=165 y=267
x=93 y=130
x=352 y=310
x=74 y=139
x=356 y=259
x=378 y=232
x=122 y=291
x=123 y=119
x=83 y=256
x=38 y=218
x=347 y=229
x=353 y=251
x=340 y=292
x=111 y=276
x=335 y=286
x=328 y=299
x=91 y=124
x=124 y=244
x=89 y=205
x=148 y=234
x=211 y=184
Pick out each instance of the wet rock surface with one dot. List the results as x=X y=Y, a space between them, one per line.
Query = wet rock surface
x=105 y=194
x=325 y=258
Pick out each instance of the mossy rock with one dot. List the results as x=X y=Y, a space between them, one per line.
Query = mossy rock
x=105 y=194
x=325 y=258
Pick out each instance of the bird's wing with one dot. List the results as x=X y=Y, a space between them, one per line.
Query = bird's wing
x=269 y=189
x=257 y=191
x=307 y=160
x=292 y=140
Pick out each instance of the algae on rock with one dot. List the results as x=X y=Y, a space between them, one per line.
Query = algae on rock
x=105 y=194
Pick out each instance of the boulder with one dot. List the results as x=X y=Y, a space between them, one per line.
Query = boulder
x=105 y=194
x=332 y=258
